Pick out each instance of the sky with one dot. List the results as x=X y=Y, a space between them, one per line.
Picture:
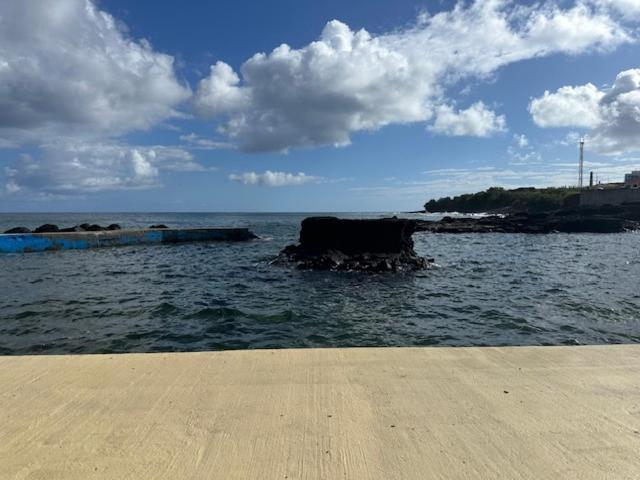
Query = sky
x=296 y=105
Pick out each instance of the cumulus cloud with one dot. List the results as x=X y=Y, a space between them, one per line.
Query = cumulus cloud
x=66 y=67
x=69 y=169
x=568 y=107
x=475 y=121
x=619 y=131
x=71 y=80
x=274 y=179
x=612 y=114
x=349 y=81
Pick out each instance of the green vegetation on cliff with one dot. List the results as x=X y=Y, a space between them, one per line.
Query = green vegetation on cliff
x=498 y=199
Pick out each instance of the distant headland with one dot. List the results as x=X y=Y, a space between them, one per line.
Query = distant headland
x=609 y=208
x=500 y=200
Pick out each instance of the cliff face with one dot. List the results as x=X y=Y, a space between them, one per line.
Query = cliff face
x=329 y=243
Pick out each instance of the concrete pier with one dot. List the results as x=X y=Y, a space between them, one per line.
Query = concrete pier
x=38 y=242
x=394 y=413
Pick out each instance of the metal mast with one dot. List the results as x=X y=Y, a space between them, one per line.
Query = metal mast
x=581 y=163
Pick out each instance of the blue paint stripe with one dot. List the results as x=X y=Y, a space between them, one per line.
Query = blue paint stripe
x=23 y=243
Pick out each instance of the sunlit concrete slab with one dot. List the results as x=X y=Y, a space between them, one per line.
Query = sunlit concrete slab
x=468 y=413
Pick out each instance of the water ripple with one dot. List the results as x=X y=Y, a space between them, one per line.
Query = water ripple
x=488 y=290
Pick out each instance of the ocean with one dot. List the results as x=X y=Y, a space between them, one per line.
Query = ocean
x=487 y=289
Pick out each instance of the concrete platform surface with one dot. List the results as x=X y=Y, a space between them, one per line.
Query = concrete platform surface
x=423 y=413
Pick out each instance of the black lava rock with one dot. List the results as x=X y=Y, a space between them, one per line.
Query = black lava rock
x=18 y=230
x=377 y=245
x=114 y=226
x=158 y=227
x=47 y=228
x=605 y=219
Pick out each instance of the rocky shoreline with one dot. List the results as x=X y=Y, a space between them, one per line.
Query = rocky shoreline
x=605 y=219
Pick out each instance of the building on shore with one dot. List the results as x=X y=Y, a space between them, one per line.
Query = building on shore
x=613 y=193
x=632 y=179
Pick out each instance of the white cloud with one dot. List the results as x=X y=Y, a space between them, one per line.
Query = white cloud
x=350 y=81
x=626 y=8
x=71 y=80
x=274 y=179
x=613 y=114
x=619 y=131
x=570 y=139
x=195 y=141
x=475 y=121
x=521 y=140
x=67 y=68
x=69 y=169
x=568 y=107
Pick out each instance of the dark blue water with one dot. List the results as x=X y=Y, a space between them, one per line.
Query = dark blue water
x=491 y=289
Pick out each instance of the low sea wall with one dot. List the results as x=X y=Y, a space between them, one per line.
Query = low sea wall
x=39 y=242
x=617 y=196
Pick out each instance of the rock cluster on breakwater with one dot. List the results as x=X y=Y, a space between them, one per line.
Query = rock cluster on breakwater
x=376 y=245
x=50 y=228
x=85 y=227
x=605 y=219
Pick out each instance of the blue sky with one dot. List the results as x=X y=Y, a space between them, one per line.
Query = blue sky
x=372 y=106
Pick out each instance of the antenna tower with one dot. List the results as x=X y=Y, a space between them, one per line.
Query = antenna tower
x=581 y=163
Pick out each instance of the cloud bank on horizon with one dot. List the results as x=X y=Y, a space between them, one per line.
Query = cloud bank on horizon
x=74 y=84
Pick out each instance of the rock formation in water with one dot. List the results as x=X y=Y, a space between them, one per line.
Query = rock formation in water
x=377 y=245
x=605 y=219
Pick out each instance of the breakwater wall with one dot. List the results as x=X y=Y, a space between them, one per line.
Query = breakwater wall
x=615 y=196
x=39 y=242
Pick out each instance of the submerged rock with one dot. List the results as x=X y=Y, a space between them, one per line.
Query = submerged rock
x=18 y=230
x=377 y=245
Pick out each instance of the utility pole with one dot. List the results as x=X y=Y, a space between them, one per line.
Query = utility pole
x=581 y=163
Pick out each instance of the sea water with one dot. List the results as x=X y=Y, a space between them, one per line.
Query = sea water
x=487 y=289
